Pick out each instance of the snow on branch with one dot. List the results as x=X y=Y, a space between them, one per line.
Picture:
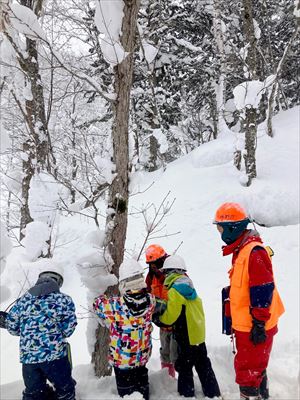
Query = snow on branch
x=18 y=19
x=248 y=94
x=108 y=19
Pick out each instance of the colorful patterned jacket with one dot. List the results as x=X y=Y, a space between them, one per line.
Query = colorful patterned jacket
x=43 y=318
x=130 y=336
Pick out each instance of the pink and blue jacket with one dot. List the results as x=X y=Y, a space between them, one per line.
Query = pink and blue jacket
x=130 y=336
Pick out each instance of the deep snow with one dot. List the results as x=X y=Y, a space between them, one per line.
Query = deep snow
x=200 y=182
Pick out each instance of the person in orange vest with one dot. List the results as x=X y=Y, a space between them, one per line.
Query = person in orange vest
x=155 y=257
x=254 y=303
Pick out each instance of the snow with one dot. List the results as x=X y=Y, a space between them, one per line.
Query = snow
x=23 y=20
x=43 y=198
x=5 y=141
x=105 y=167
x=200 y=181
x=13 y=181
x=161 y=139
x=5 y=249
x=257 y=31
x=248 y=94
x=297 y=9
x=35 y=242
x=108 y=19
x=150 y=51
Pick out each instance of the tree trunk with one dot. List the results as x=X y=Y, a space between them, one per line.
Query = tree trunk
x=250 y=144
x=36 y=144
x=116 y=222
x=221 y=85
x=250 y=122
x=274 y=89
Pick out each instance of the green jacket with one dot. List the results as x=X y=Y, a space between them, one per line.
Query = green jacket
x=184 y=309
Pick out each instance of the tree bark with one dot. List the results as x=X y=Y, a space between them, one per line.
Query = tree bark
x=275 y=85
x=36 y=144
x=250 y=144
x=250 y=122
x=221 y=85
x=116 y=222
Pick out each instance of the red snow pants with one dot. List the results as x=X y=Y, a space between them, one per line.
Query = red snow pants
x=251 y=360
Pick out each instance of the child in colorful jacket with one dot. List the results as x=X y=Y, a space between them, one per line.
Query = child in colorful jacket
x=43 y=318
x=128 y=318
x=184 y=312
x=254 y=303
x=155 y=257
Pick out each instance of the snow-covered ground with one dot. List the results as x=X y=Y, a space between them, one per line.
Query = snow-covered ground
x=200 y=182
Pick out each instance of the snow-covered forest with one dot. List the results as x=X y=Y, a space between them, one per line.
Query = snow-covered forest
x=128 y=122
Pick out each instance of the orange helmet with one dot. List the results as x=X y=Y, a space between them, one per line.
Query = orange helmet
x=230 y=212
x=154 y=252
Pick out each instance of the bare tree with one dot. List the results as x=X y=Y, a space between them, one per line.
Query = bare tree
x=36 y=142
x=250 y=121
x=274 y=88
x=116 y=223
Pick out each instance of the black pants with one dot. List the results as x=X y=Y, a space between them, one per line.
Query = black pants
x=132 y=380
x=195 y=356
x=58 y=372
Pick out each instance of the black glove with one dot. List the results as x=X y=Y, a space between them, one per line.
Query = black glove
x=258 y=332
x=3 y=317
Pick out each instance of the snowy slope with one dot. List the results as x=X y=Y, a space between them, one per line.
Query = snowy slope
x=200 y=182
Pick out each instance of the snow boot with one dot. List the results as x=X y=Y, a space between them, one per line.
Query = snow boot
x=264 y=386
x=249 y=393
x=171 y=368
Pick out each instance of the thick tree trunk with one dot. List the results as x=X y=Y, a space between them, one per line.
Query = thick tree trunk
x=116 y=223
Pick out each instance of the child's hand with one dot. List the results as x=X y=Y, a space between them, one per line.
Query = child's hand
x=160 y=306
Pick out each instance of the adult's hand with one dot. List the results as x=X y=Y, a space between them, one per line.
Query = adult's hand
x=258 y=332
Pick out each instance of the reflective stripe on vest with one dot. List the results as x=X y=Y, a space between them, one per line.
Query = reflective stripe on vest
x=240 y=293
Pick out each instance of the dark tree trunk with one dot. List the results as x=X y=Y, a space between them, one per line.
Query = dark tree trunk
x=250 y=122
x=250 y=144
x=36 y=144
x=116 y=223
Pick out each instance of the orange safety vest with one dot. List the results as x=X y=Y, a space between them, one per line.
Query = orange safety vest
x=240 y=293
x=158 y=289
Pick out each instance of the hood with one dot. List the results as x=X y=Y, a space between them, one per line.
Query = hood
x=138 y=303
x=182 y=284
x=43 y=287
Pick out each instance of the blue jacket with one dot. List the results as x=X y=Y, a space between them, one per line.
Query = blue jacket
x=43 y=318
